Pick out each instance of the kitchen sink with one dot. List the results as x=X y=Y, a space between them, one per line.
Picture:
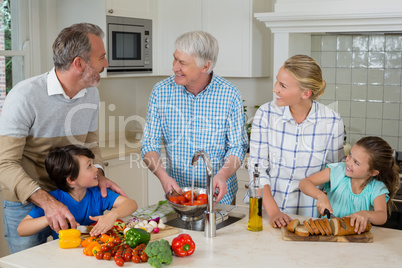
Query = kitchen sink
x=224 y=217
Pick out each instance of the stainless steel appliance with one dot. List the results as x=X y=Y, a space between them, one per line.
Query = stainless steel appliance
x=129 y=44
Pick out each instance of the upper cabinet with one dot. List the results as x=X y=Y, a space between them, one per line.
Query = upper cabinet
x=143 y=9
x=243 y=41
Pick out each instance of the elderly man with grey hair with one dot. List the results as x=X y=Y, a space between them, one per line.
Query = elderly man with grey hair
x=50 y=110
x=195 y=110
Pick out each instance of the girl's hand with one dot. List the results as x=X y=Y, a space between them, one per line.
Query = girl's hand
x=359 y=221
x=322 y=204
x=104 y=224
x=279 y=219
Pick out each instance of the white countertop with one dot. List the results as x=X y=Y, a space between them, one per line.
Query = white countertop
x=234 y=246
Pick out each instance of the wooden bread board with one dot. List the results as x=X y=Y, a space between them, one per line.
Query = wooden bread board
x=366 y=237
x=169 y=230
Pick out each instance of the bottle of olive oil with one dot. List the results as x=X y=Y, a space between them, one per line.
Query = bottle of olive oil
x=255 y=194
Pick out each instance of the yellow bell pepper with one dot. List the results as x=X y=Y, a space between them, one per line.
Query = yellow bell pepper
x=69 y=238
x=96 y=249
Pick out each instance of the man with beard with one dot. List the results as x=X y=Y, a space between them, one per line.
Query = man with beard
x=47 y=111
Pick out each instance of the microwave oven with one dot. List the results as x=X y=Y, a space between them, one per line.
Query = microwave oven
x=129 y=42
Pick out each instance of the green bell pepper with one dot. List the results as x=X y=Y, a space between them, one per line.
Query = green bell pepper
x=136 y=236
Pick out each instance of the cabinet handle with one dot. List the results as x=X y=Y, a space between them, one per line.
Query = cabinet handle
x=106 y=164
x=110 y=11
x=246 y=186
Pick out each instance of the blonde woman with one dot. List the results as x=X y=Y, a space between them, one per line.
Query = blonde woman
x=292 y=137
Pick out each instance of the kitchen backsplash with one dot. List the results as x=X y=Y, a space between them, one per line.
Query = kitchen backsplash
x=363 y=75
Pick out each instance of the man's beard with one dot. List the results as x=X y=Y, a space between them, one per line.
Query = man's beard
x=90 y=76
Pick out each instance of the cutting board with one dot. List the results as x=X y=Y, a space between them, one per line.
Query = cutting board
x=366 y=237
x=169 y=230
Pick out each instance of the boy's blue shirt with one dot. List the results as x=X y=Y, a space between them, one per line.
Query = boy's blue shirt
x=93 y=204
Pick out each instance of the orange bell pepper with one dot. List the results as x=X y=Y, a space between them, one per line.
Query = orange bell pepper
x=69 y=238
x=106 y=238
x=85 y=242
x=88 y=249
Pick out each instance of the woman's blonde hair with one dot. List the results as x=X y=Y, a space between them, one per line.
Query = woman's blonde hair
x=308 y=74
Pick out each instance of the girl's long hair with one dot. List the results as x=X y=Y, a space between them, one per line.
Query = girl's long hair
x=382 y=159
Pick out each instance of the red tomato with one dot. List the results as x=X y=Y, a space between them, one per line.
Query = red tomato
x=136 y=258
x=187 y=204
x=119 y=261
x=144 y=257
x=187 y=195
x=127 y=256
x=197 y=203
x=182 y=199
x=174 y=200
x=107 y=256
x=105 y=248
x=201 y=197
x=99 y=255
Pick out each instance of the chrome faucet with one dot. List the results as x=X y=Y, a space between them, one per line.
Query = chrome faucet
x=209 y=214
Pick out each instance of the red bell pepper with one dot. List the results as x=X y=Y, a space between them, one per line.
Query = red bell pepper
x=183 y=245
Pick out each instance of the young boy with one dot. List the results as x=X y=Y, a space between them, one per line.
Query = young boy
x=72 y=169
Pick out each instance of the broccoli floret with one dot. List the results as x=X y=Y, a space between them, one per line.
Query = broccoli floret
x=165 y=258
x=154 y=262
x=159 y=252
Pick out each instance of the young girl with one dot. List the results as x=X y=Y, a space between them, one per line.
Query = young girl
x=359 y=188
x=293 y=137
x=73 y=171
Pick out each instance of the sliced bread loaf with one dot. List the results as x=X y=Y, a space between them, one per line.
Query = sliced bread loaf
x=312 y=224
x=302 y=230
x=318 y=225
x=292 y=225
x=308 y=227
x=338 y=230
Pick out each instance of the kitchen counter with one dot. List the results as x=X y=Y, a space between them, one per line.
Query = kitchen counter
x=234 y=246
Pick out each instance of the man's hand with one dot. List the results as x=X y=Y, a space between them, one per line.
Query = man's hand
x=105 y=183
x=220 y=185
x=168 y=183
x=57 y=214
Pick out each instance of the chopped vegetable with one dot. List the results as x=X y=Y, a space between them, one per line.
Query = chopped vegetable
x=183 y=245
x=159 y=252
x=69 y=238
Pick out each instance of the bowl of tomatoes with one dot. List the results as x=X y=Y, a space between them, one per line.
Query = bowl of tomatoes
x=189 y=207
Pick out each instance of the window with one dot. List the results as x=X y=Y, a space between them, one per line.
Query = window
x=14 y=45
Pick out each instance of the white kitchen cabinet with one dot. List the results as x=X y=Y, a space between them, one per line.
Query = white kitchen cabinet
x=155 y=190
x=144 y=9
x=243 y=41
x=131 y=176
x=243 y=181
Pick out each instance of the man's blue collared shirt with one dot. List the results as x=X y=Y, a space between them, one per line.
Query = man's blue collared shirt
x=212 y=121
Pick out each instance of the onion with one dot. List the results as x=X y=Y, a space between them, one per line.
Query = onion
x=155 y=219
